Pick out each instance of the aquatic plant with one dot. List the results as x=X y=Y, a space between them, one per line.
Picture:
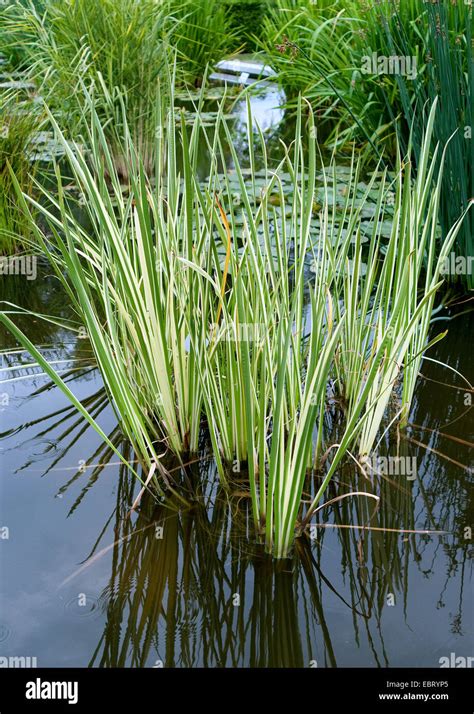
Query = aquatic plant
x=245 y=18
x=379 y=300
x=192 y=313
x=317 y=49
x=19 y=120
x=119 y=51
x=128 y=281
x=202 y=34
x=372 y=72
x=115 y=48
x=449 y=76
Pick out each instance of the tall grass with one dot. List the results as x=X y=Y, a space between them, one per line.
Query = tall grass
x=119 y=51
x=19 y=119
x=116 y=48
x=449 y=75
x=246 y=19
x=202 y=35
x=130 y=285
x=317 y=49
x=388 y=308
x=320 y=50
x=14 y=51
x=396 y=294
x=367 y=330
x=194 y=312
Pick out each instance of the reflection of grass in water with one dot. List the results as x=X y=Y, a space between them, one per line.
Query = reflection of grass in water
x=181 y=585
x=190 y=578
x=42 y=296
x=191 y=575
x=213 y=562
x=443 y=445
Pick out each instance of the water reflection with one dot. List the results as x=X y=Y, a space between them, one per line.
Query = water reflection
x=188 y=587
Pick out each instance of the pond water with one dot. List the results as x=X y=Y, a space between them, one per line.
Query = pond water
x=84 y=583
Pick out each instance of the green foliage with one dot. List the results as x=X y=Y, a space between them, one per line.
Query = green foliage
x=115 y=48
x=191 y=313
x=449 y=75
x=246 y=19
x=19 y=119
x=198 y=307
x=203 y=34
x=323 y=51
x=118 y=50
x=323 y=59
x=11 y=48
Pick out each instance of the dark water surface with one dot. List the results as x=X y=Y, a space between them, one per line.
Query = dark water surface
x=82 y=583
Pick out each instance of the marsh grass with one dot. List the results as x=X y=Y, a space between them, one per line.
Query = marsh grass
x=448 y=76
x=197 y=316
x=117 y=49
x=201 y=36
x=319 y=50
x=19 y=120
x=130 y=286
x=365 y=328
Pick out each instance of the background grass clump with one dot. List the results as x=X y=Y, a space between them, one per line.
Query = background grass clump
x=246 y=20
x=109 y=47
x=204 y=33
x=321 y=50
x=19 y=120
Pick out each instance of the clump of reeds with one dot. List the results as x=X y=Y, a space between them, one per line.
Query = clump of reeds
x=196 y=318
x=118 y=50
x=19 y=120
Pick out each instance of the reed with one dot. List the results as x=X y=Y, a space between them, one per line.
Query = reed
x=19 y=120
x=317 y=50
x=119 y=51
x=129 y=285
x=388 y=307
x=448 y=77
x=202 y=34
x=198 y=316
x=321 y=50
x=115 y=48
